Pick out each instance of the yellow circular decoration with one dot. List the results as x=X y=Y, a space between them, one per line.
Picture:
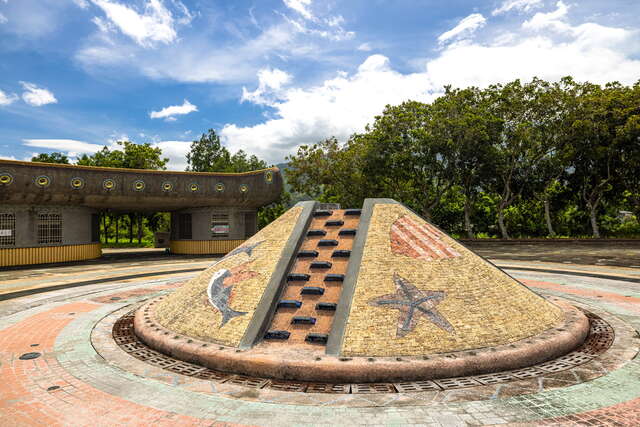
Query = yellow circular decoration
x=108 y=184
x=77 y=183
x=167 y=186
x=194 y=187
x=138 y=185
x=220 y=187
x=43 y=181
x=268 y=177
x=6 y=179
x=244 y=188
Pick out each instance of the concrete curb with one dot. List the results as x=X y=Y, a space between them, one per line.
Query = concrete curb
x=257 y=362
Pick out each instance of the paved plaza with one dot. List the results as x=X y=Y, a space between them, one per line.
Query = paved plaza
x=61 y=366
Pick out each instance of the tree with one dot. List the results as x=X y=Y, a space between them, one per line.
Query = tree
x=407 y=158
x=208 y=155
x=596 y=150
x=462 y=120
x=131 y=156
x=51 y=158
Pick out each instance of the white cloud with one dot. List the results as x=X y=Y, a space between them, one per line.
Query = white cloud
x=81 y=3
x=196 y=61
x=176 y=151
x=465 y=27
x=154 y=25
x=70 y=147
x=7 y=99
x=518 y=5
x=3 y=19
x=37 y=96
x=339 y=107
x=169 y=113
x=345 y=104
x=270 y=82
x=300 y=6
x=364 y=47
x=554 y=20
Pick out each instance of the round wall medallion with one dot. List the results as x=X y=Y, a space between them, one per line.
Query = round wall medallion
x=167 y=186
x=219 y=187
x=268 y=177
x=6 y=178
x=43 y=181
x=138 y=185
x=244 y=188
x=193 y=187
x=77 y=183
x=108 y=184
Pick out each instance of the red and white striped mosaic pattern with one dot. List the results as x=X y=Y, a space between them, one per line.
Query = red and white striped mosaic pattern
x=419 y=240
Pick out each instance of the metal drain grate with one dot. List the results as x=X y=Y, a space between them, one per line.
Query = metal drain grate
x=286 y=386
x=329 y=388
x=185 y=368
x=601 y=337
x=211 y=375
x=554 y=366
x=369 y=388
x=494 y=378
x=461 y=382
x=247 y=381
x=416 y=386
x=525 y=373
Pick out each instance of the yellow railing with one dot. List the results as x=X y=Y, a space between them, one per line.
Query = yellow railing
x=48 y=254
x=195 y=247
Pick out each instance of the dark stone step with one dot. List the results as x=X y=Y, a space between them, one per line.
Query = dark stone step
x=289 y=303
x=326 y=306
x=316 y=233
x=341 y=253
x=277 y=335
x=307 y=254
x=323 y=213
x=317 y=338
x=354 y=212
x=303 y=320
x=334 y=223
x=320 y=264
x=298 y=277
x=334 y=278
x=312 y=290
x=347 y=232
x=327 y=242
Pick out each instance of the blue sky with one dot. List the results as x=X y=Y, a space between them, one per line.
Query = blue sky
x=269 y=75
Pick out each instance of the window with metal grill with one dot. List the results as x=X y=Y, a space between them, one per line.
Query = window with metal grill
x=184 y=227
x=219 y=225
x=49 y=228
x=7 y=229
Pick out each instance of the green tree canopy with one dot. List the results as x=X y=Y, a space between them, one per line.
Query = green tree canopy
x=131 y=156
x=51 y=158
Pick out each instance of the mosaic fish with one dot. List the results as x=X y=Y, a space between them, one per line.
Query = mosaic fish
x=419 y=240
x=219 y=296
x=247 y=249
x=413 y=303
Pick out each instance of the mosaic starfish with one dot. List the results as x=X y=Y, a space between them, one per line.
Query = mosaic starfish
x=413 y=303
x=219 y=296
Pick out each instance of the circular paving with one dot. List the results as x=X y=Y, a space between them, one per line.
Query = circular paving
x=597 y=349
x=83 y=375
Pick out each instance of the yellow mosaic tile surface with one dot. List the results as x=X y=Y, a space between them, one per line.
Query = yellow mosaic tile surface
x=188 y=310
x=466 y=303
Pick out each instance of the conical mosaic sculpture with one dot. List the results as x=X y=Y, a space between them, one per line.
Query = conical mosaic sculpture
x=371 y=294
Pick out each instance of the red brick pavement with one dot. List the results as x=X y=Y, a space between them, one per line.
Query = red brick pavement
x=622 y=414
x=41 y=392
